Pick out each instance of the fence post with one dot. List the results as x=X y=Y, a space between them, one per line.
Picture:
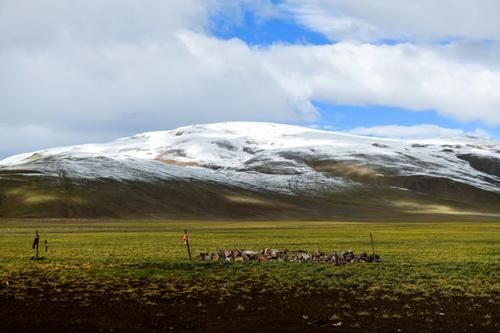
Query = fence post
x=186 y=242
x=373 y=247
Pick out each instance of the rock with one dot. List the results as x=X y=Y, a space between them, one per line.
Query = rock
x=306 y=257
x=203 y=255
x=338 y=259
x=249 y=255
x=348 y=256
x=263 y=257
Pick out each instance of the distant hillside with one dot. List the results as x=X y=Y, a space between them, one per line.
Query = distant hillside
x=256 y=171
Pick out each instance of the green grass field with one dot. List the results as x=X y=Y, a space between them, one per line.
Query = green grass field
x=427 y=258
x=146 y=260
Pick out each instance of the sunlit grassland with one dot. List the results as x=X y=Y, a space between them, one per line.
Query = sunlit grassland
x=147 y=259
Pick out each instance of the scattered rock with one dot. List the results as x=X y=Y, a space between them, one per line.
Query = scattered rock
x=289 y=256
x=249 y=255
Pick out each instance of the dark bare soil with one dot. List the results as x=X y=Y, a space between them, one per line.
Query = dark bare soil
x=332 y=312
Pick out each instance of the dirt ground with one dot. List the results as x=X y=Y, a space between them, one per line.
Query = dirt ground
x=315 y=313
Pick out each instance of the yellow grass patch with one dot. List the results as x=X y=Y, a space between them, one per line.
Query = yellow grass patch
x=179 y=163
x=347 y=169
x=421 y=208
x=247 y=200
x=31 y=197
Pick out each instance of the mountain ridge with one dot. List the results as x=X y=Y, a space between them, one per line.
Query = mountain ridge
x=256 y=170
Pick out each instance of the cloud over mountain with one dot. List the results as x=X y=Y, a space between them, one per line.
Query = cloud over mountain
x=97 y=70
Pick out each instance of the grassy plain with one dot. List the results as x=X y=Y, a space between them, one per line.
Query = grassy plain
x=145 y=262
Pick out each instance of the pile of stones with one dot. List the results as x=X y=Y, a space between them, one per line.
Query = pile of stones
x=289 y=256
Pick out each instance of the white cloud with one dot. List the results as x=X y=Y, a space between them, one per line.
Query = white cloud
x=29 y=137
x=403 y=75
x=369 y=20
x=32 y=23
x=423 y=131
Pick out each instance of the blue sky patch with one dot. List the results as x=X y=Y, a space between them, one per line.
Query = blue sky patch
x=264 y=32
x=346 y=117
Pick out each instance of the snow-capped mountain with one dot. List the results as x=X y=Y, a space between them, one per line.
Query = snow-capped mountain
x=255 y=161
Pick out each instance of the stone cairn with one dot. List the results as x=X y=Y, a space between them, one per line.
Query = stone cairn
x=288 y=256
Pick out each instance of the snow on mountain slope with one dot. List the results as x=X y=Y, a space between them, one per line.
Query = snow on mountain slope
x=267 y=156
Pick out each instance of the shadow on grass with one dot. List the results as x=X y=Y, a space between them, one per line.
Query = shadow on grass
x=37 y=258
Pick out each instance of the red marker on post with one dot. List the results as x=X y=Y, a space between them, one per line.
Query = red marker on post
x=185 y=238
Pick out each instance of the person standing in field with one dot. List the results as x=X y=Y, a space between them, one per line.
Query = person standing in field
x=36 y=243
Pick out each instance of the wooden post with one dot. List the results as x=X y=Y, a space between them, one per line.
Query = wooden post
x=36 y=243
x=373 y=247
x=186 y=242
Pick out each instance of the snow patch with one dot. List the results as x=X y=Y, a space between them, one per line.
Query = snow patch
x=245 y=153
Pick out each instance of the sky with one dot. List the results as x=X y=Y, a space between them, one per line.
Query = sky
x=94 y=70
